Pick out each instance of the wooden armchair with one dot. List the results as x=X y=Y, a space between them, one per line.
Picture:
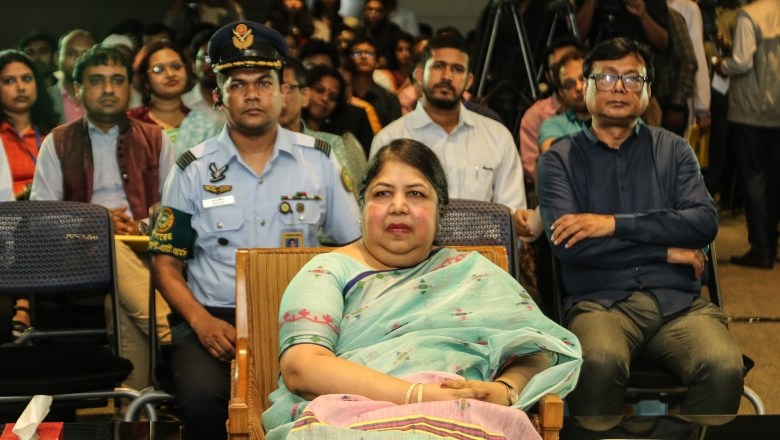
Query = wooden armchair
x=256 y=367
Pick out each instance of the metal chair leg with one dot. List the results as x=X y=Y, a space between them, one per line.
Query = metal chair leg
x=146 y=399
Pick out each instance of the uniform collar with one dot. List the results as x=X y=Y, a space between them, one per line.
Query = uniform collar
x=420 y=117
x=228 y=149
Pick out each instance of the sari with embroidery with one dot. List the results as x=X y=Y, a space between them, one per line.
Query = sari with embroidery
x=454 y=315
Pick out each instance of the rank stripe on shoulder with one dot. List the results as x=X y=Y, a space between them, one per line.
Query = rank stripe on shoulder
x=185 y=159
x=323 y=146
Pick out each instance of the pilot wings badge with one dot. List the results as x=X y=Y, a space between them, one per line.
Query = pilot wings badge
x=217 y=189
x=242 y=37
x=217 y=174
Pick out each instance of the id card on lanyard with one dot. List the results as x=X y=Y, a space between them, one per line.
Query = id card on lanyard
x=37 y=142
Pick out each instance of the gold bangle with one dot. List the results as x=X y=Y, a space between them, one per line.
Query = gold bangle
x=419 y=393
x=409 y=393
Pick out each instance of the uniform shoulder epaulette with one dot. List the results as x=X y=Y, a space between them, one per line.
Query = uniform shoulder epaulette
x=323 y=146
x=185 y=159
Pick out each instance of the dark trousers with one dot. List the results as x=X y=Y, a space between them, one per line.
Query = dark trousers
x=719 y=144
x=695 y=344
x=201 y=381
x=758 y=159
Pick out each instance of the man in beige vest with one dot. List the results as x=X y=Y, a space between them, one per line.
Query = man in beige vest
x=107 y=159
x=754 y=114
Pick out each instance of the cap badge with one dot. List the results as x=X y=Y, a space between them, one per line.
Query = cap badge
x=242 y=37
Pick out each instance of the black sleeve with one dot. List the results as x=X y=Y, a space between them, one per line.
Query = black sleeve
x=658 y=11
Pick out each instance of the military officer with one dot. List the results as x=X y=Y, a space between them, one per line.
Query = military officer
x=254 y=185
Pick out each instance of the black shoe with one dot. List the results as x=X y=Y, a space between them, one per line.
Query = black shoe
x=752 y=259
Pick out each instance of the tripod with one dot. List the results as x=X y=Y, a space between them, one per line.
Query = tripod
x=563 y=10
x=488 y=44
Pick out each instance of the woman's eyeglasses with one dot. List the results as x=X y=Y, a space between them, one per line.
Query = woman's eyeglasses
x=606 y=81
x=160 y=68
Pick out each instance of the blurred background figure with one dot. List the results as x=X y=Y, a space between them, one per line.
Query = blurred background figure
x=160 y=74
x=42 y=50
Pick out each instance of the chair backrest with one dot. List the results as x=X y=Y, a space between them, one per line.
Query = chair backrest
x=258 y=297
x=50 y=247
x=478 y=223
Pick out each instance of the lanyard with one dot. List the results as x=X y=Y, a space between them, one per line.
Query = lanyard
x=37 y=142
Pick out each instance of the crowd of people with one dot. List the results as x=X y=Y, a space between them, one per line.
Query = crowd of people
x=321 y=129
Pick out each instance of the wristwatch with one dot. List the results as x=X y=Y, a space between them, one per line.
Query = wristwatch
x=511 y=393
x=142 y=228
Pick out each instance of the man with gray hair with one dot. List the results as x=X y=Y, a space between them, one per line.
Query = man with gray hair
x=72 y=45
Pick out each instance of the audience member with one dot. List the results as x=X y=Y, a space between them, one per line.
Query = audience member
x=318 y=52
x=640 y=20
x=403 y=17
x=26 y=117
x=157 y=31
x=343 y=37
x=125 y=45
x=110 y=160
x=631 y=241
x=478 y=153
x=42 y=50
x=754 y=117
x=399 y=63
x=327 y=11
x=183 y=15
x=699 y=104
x=364 y=53
x=71 y=46
x=347 y=70
x=160 y=74
x=568 y=88
x=676 y=75
x=375 y=25
x=345 y=148
x=449 y=30
x=292 y=16
x=201 y=97
x=251 y=149
x=542 y=109
x=132 y=29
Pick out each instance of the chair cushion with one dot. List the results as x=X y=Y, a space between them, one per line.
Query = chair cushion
x=59 y=369
x=646 y=375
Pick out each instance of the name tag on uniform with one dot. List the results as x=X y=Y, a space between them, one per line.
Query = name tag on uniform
x=218 y=201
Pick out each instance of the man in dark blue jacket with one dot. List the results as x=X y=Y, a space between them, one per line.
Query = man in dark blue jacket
x=627 y=213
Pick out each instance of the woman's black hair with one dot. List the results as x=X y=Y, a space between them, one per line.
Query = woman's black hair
x=392 y=61
x=618 y=48
x=416 y=155
x=302 y=25
x=42 y=114
x=313 y=76
x=141 y=65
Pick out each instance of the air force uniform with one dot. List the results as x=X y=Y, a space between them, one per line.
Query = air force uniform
x=214 y=203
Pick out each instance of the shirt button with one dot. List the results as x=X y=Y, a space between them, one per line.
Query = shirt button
x=219 y=225
x=260 y=181
x=262 y=222
x=637 y=268
x=124 y=176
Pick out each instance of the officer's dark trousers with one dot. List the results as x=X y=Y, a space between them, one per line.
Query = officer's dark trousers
x=201 y=381
x=758 y=159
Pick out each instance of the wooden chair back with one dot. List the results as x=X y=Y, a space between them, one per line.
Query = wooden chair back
x=258 y=296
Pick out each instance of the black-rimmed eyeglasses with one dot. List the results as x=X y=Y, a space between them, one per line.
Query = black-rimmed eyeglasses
x=606 y=81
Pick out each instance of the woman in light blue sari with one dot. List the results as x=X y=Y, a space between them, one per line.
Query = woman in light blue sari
x=391 y=335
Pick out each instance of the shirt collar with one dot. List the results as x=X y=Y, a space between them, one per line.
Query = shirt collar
x=420 y=117
x=113 y=131
x=595 y=140
x=228 y=149
x=572 y=117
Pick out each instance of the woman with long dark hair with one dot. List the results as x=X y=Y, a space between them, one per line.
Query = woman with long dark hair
x=399 y=63
x=161 y=76
x=293 y=17
x=26 y=117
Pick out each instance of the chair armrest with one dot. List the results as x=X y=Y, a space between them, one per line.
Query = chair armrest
x=549 y=421
x=238 y=411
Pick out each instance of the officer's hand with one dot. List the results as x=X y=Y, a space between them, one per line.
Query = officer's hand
x=217 y=336
x=123 y=224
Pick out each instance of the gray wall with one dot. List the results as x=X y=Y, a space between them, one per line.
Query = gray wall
x=18 y=17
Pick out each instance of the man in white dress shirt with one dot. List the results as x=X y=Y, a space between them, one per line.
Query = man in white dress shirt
x=478 y=153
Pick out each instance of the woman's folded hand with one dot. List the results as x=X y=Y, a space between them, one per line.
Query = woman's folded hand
x=466 y=389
